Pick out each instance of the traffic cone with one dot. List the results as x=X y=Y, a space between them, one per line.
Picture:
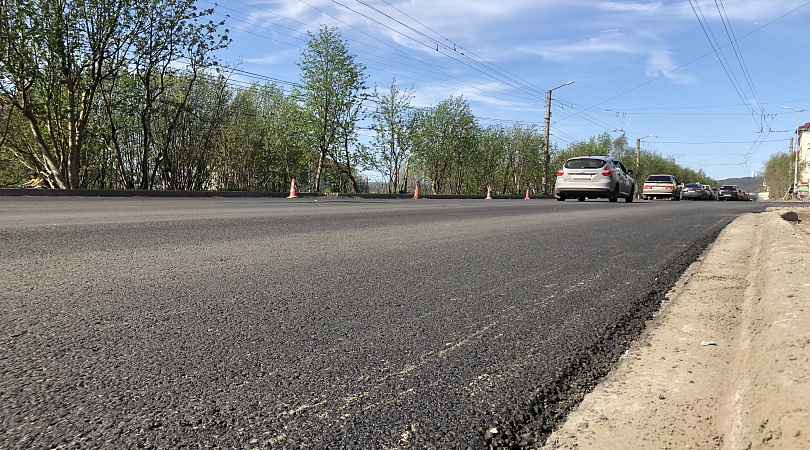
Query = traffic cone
x=489 y=192
x=416 y=193
x=292 y=190
x=527 y=195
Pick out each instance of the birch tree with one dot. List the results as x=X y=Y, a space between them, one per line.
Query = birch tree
x=331 y=93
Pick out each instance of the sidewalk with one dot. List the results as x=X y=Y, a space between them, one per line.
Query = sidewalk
x=726 y=362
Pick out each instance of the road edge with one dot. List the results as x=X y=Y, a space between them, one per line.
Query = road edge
x=725 y=375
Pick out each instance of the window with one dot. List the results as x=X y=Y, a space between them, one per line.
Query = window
x=661 y=179
x=584 y=163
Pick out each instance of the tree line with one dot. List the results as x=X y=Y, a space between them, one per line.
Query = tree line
x=118 y=94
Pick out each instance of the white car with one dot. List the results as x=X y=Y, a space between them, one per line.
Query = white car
x=594 y=177
x=661 y=186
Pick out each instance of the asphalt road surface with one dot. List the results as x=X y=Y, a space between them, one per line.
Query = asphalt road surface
x=329 y=323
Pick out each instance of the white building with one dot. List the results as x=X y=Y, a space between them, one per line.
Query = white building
x=803 y=146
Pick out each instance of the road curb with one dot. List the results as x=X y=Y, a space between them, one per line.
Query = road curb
x=15 y=192
x=725 y=362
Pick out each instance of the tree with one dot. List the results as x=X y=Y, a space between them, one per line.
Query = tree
x=61 y=63
x=392 y=141
x=445 y=142
x=170 y=34
x=525 y=169
x=262 y=144
x=779 y=174
x=55 y=55
x=331 y=93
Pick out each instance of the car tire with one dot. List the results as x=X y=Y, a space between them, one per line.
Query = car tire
x=560 y=199
x=615 y=196
x=629 y=198
x=580 y=199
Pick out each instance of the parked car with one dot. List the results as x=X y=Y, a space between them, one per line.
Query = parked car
x=710 y=194
x=729 y=192
x=694 y=191
x=594 y=177
x=661 y=186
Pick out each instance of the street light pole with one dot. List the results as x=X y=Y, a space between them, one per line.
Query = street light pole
x=795 y=152
x=638 y=155
x=547 y=158
x=638 y=150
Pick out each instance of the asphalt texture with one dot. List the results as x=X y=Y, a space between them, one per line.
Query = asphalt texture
x=323 y=323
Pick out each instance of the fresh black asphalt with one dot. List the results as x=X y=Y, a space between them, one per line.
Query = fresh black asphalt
x=323 y=323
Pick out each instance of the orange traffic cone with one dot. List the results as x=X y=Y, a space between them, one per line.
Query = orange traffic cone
x=527 y=195
x=416 y=193
x=292 y=190
x=489 y=192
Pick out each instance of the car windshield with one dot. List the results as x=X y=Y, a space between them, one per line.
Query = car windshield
x=660 y=178
x=585 y=163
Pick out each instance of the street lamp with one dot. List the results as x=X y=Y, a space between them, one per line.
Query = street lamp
x=796 y=164
x=638 y=150
x=638 y=158
x=545 y=142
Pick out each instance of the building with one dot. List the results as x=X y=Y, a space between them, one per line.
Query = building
x=803 y=147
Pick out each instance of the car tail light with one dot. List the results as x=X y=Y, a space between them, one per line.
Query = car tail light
x=560 y=173
x=607 y=173
x=647 y=187
x=734 y=192
x=668 y=187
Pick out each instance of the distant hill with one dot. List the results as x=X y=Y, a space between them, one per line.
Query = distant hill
x=748 y=184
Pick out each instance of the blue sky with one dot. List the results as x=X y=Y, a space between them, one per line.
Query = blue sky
x=647 y=68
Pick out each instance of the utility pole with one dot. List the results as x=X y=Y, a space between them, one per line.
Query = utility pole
x=547 y=158
x=638 y=157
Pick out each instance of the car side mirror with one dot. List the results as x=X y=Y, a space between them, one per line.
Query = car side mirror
x=629 y=172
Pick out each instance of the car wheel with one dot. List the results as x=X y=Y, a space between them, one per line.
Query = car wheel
x=581 y=199
x=615 y=196
x=629 y=198
x=560 y=199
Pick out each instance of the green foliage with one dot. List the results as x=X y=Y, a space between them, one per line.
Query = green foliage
x=262 y=142
x=63 y=66
x=93 y=96
x=445 y=146
x=331 y=94
x=779 y=173
x=12 y=171
x=595 y=146
x=392 y=123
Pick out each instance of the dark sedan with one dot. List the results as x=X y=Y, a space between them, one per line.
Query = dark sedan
x=729 y=192
x=694 y=191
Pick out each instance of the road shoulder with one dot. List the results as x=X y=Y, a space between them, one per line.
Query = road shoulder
x=726 y=361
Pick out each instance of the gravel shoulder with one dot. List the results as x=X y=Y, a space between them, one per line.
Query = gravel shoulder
x=726 y=362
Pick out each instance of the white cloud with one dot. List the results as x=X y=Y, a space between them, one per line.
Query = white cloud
x=610 y=41
x=660 y=63
x=644 y=8
x=273 y=58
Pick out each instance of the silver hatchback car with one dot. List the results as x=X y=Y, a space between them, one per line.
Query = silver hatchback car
x=594 y=177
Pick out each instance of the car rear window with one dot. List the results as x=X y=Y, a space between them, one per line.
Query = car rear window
x=694 y=185
x=660 y=178
x=732 y=187
x=585 y=163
